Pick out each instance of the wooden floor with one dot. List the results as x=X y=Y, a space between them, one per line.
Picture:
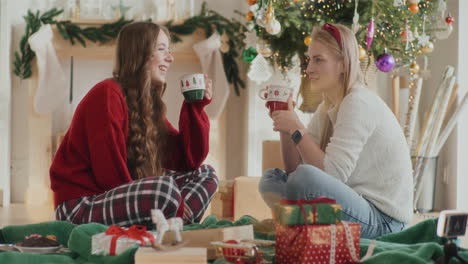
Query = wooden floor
x=20 y=214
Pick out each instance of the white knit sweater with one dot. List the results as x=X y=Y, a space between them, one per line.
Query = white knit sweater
x=368 y=151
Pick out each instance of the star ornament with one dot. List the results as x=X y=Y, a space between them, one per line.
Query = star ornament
x=288 y=209
x=423 y=40
x=312 y=217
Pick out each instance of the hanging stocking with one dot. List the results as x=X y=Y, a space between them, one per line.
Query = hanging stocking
x=52 y=89
x=212 y=65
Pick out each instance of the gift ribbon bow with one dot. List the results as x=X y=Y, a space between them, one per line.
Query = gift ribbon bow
x=301 y=202
x=136 y=232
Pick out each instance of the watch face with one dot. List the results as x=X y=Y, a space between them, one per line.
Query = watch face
x=296 y=136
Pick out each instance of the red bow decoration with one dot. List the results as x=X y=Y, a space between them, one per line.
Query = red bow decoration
x=135 y=232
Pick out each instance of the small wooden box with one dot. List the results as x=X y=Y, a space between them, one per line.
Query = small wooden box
x=223 y=200
x=248 y=200
x=147 y=255
x=204 y=237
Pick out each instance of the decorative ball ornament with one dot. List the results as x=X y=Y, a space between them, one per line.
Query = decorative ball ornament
x=251 y=2
x=414 y=1
x=414 y=68
x=249 y=16
x=413 y=8
x=385 y=62
x=449 y=19
x=428 y=48
x=362 y=53
x=307 y=40
x=274 y=27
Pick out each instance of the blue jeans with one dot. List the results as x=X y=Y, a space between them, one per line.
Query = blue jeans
x=308 y=182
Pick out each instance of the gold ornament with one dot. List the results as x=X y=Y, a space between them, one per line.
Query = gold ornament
x=307 y=40
x=362 y=53
x=428 y=48
x=269 y=14
x=414 y=67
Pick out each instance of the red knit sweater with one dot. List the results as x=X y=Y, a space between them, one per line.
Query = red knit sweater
x=92 y=157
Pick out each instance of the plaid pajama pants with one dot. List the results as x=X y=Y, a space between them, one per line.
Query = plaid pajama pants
x=185 y=193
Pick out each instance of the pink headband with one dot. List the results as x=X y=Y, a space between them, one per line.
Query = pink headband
x=333 y=31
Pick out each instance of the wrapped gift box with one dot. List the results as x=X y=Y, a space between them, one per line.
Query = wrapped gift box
x=317 y=211
x=116 y=240
x=145 y=255
x=334 y=243
x=204 y=237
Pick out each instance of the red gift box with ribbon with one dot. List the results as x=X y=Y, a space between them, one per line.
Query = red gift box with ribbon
x=116 y=239
x=333 y=243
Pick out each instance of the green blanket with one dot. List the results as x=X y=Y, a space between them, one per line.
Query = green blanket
x=418 y=244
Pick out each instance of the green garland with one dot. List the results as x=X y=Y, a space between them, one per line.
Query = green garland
x=207 y=20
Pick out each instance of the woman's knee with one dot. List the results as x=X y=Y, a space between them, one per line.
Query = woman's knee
x=272 y=181
x=304 y=177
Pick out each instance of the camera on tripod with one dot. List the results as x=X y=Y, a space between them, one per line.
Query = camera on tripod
x=451 y=225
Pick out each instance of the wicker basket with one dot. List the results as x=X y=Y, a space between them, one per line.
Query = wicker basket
x=311 y=98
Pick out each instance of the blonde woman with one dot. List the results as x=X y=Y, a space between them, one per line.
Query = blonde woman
x=353 y=149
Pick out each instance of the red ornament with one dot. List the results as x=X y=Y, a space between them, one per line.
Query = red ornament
x=449 y=20
x=413 y=8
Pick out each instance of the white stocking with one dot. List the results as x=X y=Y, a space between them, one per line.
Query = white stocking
x=212 y=65
x=52 y=89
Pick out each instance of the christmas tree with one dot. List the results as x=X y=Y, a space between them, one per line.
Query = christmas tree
x=405 y=29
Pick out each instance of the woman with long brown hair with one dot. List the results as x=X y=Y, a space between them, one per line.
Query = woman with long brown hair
x=353 y=149
x=121 y=157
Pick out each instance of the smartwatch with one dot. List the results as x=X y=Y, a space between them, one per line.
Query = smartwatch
x=297 y=136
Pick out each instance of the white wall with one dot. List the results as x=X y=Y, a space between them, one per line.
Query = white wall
x=462 y=128
x=5 y=103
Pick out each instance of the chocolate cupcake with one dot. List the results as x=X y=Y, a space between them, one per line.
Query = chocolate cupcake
x=37 y=241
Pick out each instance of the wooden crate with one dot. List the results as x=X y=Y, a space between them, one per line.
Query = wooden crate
x=189 y=255
x=204 y=237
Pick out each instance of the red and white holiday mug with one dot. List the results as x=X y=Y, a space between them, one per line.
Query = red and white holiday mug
x=276 y=97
